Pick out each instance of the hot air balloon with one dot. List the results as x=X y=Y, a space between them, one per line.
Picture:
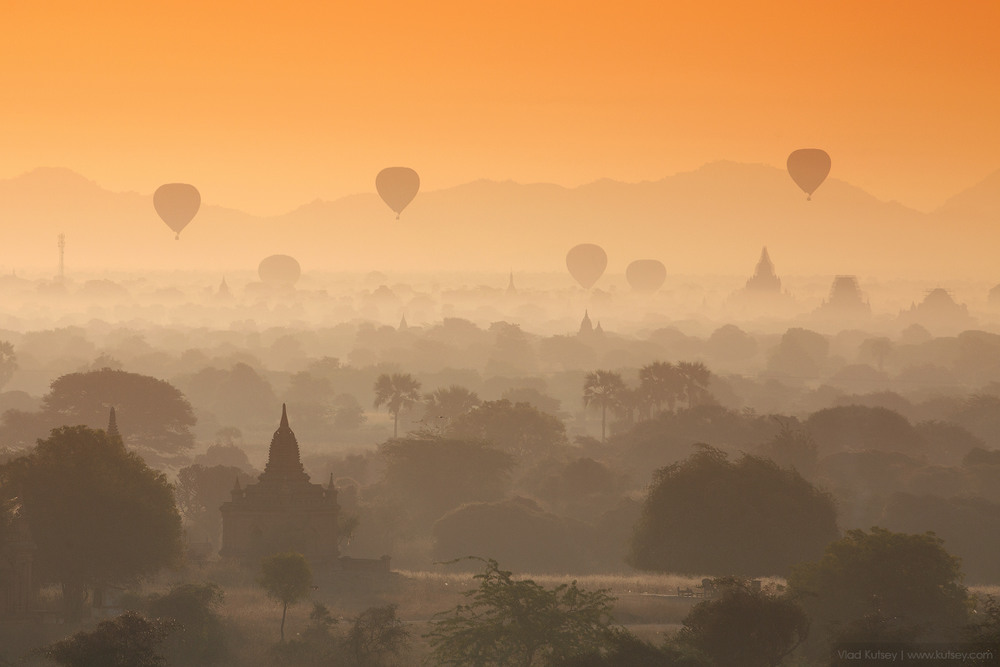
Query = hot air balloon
x=397 y=186
x=279 y=270
x=646 y=275
x=808 y=167
x=176 y=204
x=586 y=263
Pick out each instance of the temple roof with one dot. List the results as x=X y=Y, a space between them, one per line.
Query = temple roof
x=283 y=461
x=764 y=278
x=113 y=425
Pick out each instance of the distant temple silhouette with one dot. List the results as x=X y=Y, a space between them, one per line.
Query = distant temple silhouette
x=283 y=511
x=764 y=279
x=511 y=290
x=938 y=311
x=762 y=294
x=846 y=300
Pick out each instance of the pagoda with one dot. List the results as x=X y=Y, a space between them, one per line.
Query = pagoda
x=764 y=279
x=283 y=511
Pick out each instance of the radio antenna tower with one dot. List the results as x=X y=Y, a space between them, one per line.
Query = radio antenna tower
x=62 y=254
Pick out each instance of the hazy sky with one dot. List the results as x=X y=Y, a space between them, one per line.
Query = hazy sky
x=266 y=106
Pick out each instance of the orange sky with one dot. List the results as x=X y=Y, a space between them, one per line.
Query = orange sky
x=265 y=106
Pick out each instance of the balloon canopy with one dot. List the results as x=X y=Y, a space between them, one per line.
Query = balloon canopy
x=646 y=275
x=176 y=204
x=808 y=167
x=586 y=263
x=397 y=186
x=279 y=270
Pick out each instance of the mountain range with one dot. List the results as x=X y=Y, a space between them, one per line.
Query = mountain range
x=713 y=220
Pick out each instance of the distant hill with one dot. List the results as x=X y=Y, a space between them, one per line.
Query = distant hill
x=710 y=220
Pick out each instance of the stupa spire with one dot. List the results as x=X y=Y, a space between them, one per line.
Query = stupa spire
x=283 y=460
x=113 y=425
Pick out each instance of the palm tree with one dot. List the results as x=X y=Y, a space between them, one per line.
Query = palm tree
x=395 y=392
x=661 y=382
x=695 y=376
x=444 y=404
x=603 y=389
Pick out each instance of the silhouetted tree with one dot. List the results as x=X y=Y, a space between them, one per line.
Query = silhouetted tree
x=286 y=578
x=801 y=355
x=129 y=640
x=8 y=363
x=984 y=631
x=395 y=392
x=603 y=389
x=747 y=625
x=661 y=382
x=518 y=622
x=434 y=475
x=857 y=427
x=348 y=413
x=376 y=635
x=238 y=395
x=443 y=405
x=792 y=448
x=22 y=429
x=695 y=377
x=980 y=414
x=877 y=349
x=200 y=491
x=909 y=578
x=517 y=530
x=153 y=415
x=534 y=397
x=98 y=514
x=623 y=649
x=196 y=635
x=707 y=514
x=969 y=525
x=517 y=428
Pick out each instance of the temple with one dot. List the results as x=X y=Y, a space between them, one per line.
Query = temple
x=762 y=295
x=764 y=279
x=283 y=511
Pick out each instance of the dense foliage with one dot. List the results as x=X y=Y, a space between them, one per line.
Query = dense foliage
x=709 y=515
x=98 y=514
x=519 y=622
x=900 y=585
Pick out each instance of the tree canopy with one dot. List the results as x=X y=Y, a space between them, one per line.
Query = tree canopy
x=129 y=640
x=200 y=491
x=747 y=625
x=709 y=515
x=8 y=362
x=434 y=475
x=285 y=577
x=396 y=392
x=880 y=574
x=603 y=390
x=517 y=428
x=152 y=414
x=98 y=514
x=519 y=622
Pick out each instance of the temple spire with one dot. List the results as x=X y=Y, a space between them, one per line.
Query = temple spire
x=283 y=462
x=113 y=425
